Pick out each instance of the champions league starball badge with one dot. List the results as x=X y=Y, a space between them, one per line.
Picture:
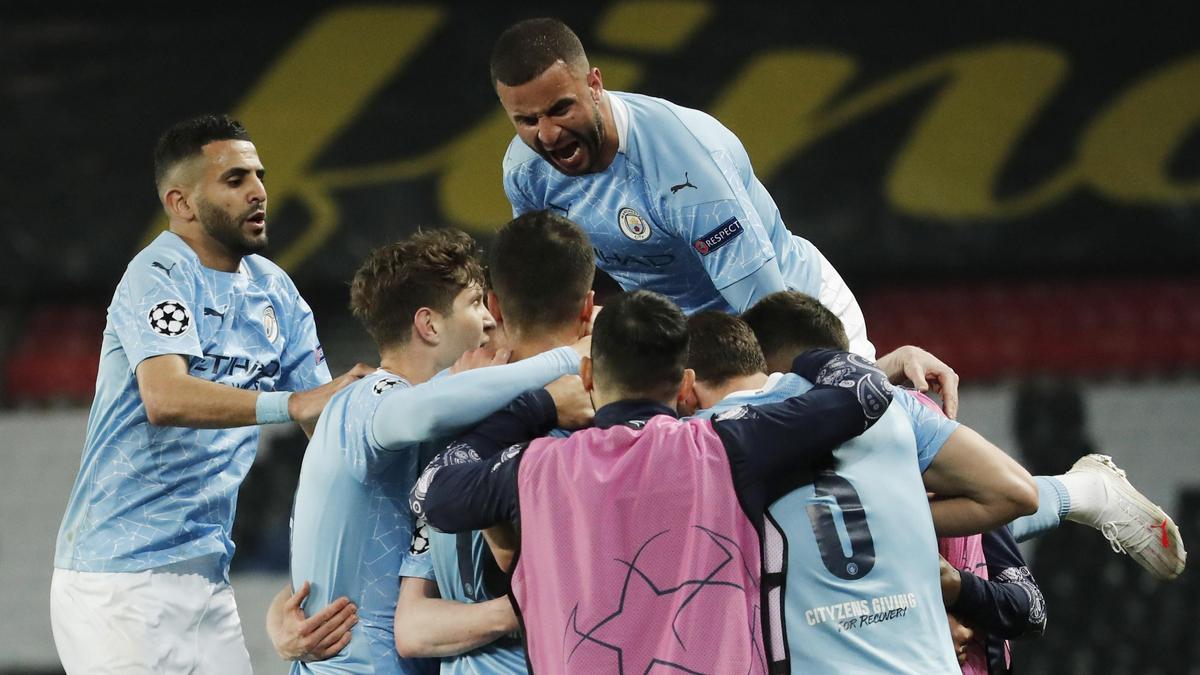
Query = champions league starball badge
x=170 y=318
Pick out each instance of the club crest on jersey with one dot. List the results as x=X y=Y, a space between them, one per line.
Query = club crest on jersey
x=170 y=318
x=385 y=384
x=633 y=225
x=714 y=240
x=270 y=323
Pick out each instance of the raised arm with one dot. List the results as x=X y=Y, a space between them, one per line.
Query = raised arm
x=848 y=396
x=445 y=406
x=469 y=496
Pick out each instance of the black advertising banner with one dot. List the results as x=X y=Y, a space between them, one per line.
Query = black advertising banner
x=930 y=142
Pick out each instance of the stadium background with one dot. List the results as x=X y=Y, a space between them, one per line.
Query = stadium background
x=1014 y=186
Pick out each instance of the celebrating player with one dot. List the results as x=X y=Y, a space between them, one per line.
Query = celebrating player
x=638 y=539
x=665 y=193
x=422 y=302
x=204 y=340
x=1095 y=492
x=852 y=556
x=534 y=317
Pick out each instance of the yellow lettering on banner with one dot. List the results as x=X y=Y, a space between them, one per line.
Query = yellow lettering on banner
x=313 y=91
x=984 y=100
x=1126 y=151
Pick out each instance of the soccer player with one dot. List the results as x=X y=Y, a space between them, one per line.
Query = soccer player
x=421 y=299
x=205 y=339
x=534 y=317
x=639 y=539
x=666 y=193
x=853 y=556
x=1095 y=492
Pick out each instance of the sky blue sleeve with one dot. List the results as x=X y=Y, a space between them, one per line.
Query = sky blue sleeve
x=930 y=426
x=717 y=218
x=303 y=360
x=418 y=562
x=154 y=311
x=450 y=404
x=741 y=295
x=513 y=172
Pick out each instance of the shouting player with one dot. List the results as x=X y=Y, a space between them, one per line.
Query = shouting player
x=666 y=193
x=205 y=340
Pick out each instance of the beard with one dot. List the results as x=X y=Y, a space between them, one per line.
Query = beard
x=590 y=139
x=227 y=229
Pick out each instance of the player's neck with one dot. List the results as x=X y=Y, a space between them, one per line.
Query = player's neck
x=212 y=253
x=526 y=345
x=612 y=142
x=414 y=365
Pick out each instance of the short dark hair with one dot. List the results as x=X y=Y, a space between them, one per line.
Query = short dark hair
x=722 y=347
x=526 y=49
x=542 y=266
x=426 y=269
x=185 y=139
x=787 y=323
x=640 y=344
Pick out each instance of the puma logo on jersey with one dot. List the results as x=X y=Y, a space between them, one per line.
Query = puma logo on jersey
x=685 y=184
x=163 y=267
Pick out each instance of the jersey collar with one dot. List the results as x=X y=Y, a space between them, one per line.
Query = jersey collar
x=638 y=410
x=620 y=113
x=771 y=383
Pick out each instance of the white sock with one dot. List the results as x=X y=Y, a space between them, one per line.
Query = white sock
x=1088 y=497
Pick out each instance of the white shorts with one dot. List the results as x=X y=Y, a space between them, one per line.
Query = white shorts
x=145 y=622
x=836 y=295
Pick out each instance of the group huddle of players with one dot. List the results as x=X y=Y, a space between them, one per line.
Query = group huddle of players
x=711 y=474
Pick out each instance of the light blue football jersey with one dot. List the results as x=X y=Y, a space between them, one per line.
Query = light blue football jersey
x=861 y=592
x=679 y=211
x=148 y=496
x=351 y=525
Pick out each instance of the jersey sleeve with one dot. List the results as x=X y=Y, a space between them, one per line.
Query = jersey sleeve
x=154 y=311
x=1009 y=603
x=930 y=426
x=469 y=496
x=418 y=561
x=302 y=363
x=716 y=216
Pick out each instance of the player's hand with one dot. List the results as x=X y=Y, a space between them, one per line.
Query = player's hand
x=951 y=580
x=306 y=406
x=572 y=401
x=960 y=635
x=583 y=347
x=481 y=357
x=315 y=638
x=925 y=372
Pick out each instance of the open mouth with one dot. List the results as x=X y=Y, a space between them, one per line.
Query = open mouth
x=568 y=154
x=258 y=219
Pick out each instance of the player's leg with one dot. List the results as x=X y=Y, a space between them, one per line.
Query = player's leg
x=1095 y=492
x=112 y=623
x=222 y=648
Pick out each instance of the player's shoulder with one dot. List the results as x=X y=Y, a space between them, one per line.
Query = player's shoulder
x=659 y=121
x=519 y=156
x=167 y=256
x=265 y=272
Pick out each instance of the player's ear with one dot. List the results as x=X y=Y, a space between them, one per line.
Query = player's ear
x=585 y=313
x=596 y=83
x=426 y=326
x=688 y=401
x=585 y=374
x=493 y=307
x=687 y=387
x=177 y=202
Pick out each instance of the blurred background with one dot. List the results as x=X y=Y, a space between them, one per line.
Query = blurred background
x=1014 y=186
